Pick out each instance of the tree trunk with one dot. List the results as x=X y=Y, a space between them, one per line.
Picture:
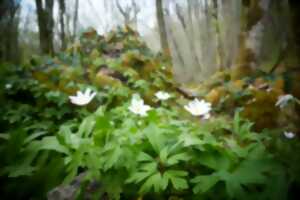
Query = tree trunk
x=220 y=48
x=162 y=27
x=264 y=36
x=9 y=35
x=75 y=20
x=46 y=24
x=62 y=10
x=294 y=41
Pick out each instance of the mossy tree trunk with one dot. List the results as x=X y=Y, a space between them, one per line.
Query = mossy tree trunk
x=263 y=37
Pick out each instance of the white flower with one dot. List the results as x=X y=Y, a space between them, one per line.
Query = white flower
x=162 y=95
x=199 y=108
x=283 y=100
x=82 y=99
x=289 y=135
x=8 y=86
x=138 y=107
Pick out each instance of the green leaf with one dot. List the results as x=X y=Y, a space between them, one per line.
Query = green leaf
x=175 y=159
x=214 y=160
x=34 y=136
x=48 y=143
x=87 y=126
x=19 y=170
x=155 y=137
x=144 y=157
x=138 y=177
x=154 y=181
x=163 y=155
x=4 y=136
x=112 y=158
x=176 y=177
x=204 y=183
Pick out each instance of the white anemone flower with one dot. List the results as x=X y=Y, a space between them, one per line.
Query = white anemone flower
x=199 y=108
x=162 y=95
x=289 y=135
x=283 y=100
x=138 y=107
x=83 y=98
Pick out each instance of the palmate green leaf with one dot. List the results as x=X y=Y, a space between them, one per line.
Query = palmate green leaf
x=144 y=171
x=176 y=178
x=47 y=143
x=112 y=157
x=87 y=126
x=144 y=157
x=34 y=136
x=138 y=177
x=163 y=155
x=155 y=136
x=249 y=172
x=20 y=170
x=204 y=182
x=156 y=182
x=175 y=159
x=214 y=160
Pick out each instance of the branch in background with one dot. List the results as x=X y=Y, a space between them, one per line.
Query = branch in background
x=124 y=12
x=189 y=39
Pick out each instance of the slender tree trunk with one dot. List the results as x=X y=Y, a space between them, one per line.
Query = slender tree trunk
x=220 y=48
x=75 y=20
x=46 y=24
x=162 y=27
x=62 y=10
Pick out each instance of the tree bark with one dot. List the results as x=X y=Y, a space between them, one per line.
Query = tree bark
x=162 y=27
x=9 y=35
x=62 y=10
x=294 y=41
x=75 y=20
x=220 y=48
x=46 y=24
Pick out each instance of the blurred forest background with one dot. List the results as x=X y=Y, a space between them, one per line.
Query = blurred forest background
x=200 y=35
x=241 y=58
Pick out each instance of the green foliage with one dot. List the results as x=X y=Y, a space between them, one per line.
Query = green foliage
x=166 y=155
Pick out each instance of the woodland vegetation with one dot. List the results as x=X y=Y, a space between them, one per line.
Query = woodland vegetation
x=212 y=114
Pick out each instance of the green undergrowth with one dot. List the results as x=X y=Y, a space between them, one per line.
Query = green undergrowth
x=104 y=151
